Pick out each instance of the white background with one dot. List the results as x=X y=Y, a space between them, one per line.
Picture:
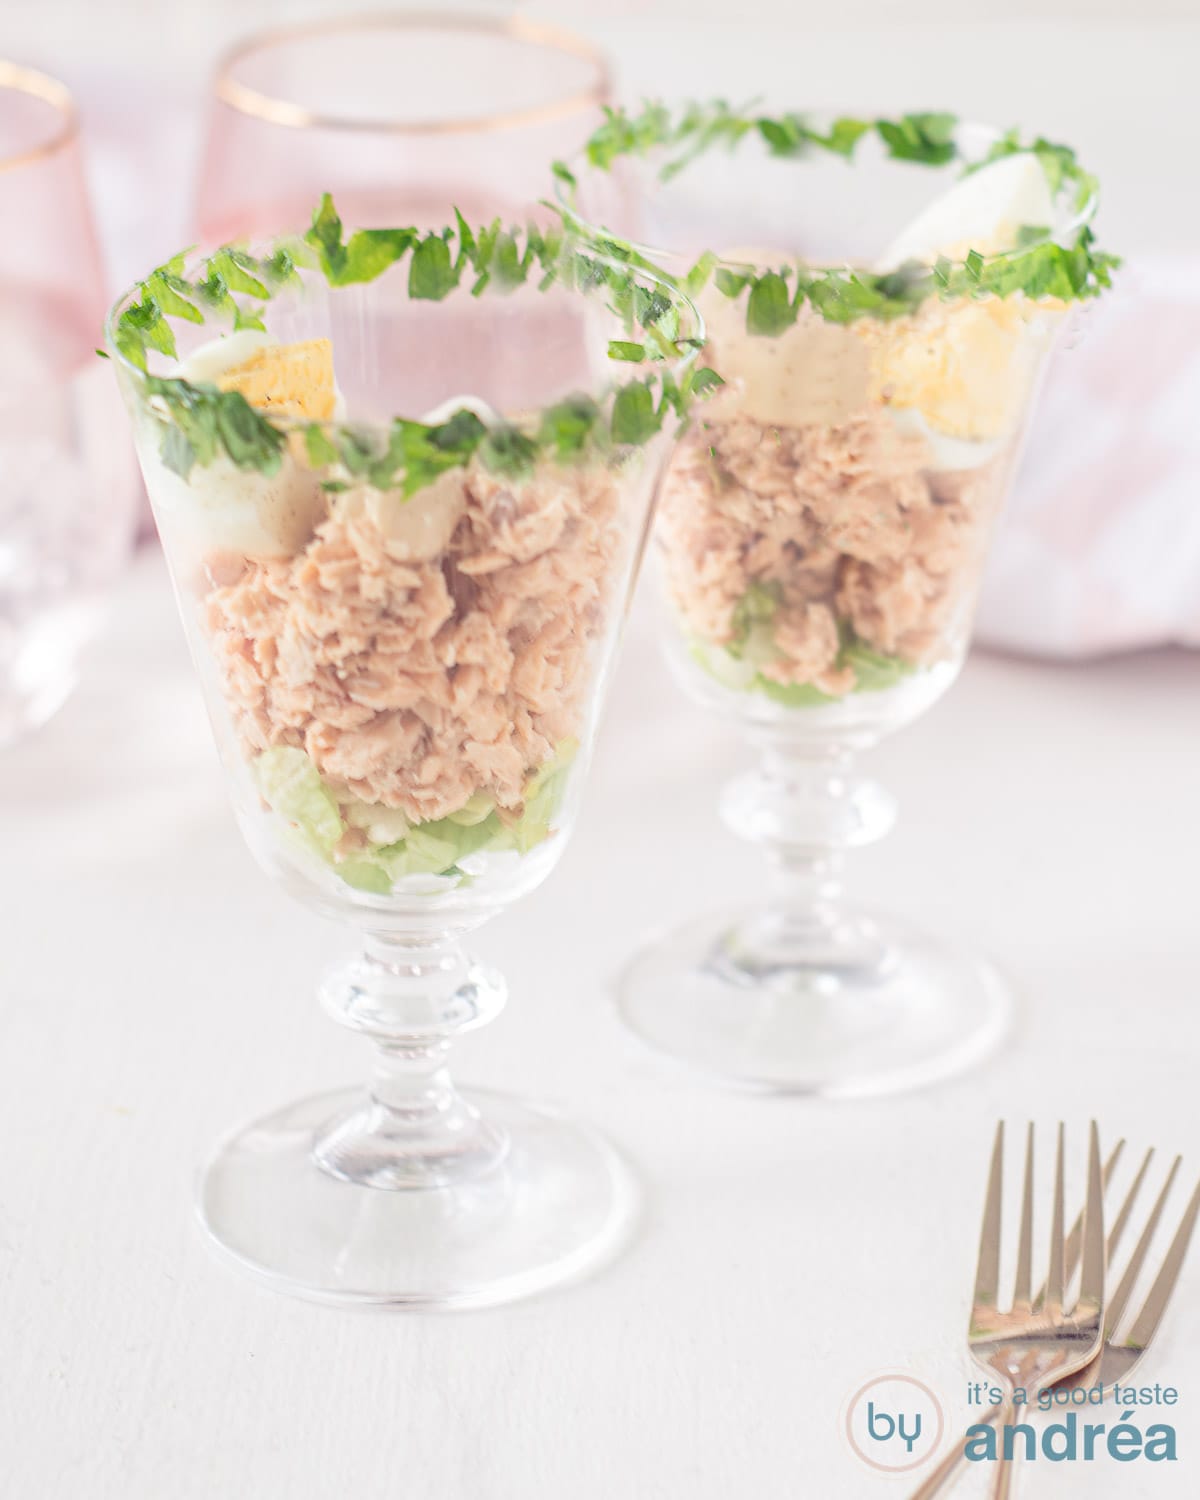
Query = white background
x=157 y=990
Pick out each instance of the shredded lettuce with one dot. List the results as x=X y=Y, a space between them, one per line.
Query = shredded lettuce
x=738 y=665
x=752 y=617
x=292 y=786
x=543 y=796
x=873 y=671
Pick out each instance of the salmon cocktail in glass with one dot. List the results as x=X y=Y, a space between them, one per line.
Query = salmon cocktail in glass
x=880 y=297
x=403 y=535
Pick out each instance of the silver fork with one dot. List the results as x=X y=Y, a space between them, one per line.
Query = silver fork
x=1118 y=1358
x=1037 y=1342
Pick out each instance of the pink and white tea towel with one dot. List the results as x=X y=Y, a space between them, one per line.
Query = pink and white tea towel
x=1099 y=550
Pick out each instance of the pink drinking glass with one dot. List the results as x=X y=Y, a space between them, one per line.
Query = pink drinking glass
x=67 y=487
x=396 y=115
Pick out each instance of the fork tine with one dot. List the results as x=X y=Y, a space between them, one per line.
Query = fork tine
x=987 y=1276
x=1117 y=1302
x=1075 y=1237
x=1122 y=1219
x=1021 y=1292
x=1054 y=1277
x=1091 y=1274
x=1164 y=1283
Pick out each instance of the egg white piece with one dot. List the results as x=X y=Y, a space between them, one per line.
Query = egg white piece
x=209 y=361
x=419 y=527
x=223 y=509
x=982 y=212
x=486 y=414
x=945 y=452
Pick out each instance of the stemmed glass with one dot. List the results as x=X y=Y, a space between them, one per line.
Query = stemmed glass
x=403 y=625
x=67 y=487
x=396 y=115
x=823 y=530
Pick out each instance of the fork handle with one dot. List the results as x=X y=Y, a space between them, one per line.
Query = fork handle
x=1006 y=1467
x=941 y=1477
x=1003 y=1483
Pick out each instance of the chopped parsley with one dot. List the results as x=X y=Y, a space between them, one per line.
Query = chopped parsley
x=233 y=285
x=1036 y=267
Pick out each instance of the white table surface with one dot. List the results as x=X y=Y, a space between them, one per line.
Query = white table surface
x=157 y=990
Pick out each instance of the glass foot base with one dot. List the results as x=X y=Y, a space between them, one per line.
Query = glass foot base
x=559 y=1203
x=906 y=1011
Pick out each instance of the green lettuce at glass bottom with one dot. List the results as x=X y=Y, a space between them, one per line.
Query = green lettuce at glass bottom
x=738 y=667
x=293 y=788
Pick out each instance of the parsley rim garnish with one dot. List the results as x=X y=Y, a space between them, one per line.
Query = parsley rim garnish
x=1069 y=268
x=234 y=283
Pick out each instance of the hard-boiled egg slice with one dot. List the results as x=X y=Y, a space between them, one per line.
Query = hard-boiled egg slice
x=983 y=211
x=222 y=508
x=966 y=366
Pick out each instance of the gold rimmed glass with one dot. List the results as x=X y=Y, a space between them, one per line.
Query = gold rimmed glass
x=66 y=476
x=396 y=115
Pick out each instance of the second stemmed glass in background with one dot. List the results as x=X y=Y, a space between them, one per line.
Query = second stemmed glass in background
x=823 y=531
x=66 y=469
x=397 y=115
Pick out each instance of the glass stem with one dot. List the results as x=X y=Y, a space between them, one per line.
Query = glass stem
x=805 y=806
x=806 y=887
x=412 y=1129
